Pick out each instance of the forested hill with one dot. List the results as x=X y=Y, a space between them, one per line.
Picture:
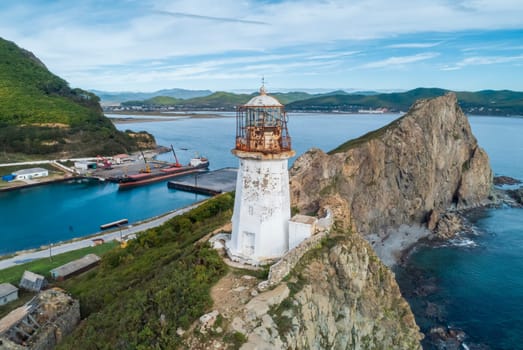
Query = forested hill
x=504 y=102
x=217 y=100
x=490 y=102
x=41 y=115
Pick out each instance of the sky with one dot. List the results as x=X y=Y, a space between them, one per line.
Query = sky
x=229 y=45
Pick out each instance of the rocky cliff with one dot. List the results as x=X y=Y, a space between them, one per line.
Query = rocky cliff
x=397 y=180
x=339 y=296
x=343 y=297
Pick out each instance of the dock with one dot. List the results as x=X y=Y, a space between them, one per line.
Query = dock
x=210 y=183
x=114 y=224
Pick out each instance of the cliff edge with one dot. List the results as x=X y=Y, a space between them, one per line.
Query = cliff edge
x=396 y=181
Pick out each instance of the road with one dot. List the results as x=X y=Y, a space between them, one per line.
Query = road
x=82 y=243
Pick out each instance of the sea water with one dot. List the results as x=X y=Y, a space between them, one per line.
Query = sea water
x=478 y=280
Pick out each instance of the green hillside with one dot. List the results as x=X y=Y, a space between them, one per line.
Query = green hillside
x=139 y=296
x=216 y=100
x=41 y=115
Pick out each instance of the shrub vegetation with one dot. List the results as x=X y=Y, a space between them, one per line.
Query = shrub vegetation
x=140 y=295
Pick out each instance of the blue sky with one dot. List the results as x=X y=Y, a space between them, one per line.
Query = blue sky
x=147 y=45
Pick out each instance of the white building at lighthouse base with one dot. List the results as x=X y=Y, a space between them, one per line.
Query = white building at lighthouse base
x=260 y=222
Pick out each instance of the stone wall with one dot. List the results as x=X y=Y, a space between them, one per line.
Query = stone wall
x=279 y=270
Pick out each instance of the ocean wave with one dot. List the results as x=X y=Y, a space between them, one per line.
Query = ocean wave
x=459 y=241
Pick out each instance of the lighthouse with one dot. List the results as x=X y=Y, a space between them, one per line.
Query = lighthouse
x=261 y=214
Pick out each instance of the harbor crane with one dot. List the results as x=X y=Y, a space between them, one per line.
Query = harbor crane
x=147 y=167
x=177 y=164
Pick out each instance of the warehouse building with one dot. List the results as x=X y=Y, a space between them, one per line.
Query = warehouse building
x=28 y=174
x=8 y=293
x=75 y=267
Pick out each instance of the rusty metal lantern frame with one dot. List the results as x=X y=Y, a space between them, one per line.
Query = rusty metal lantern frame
x=262 y=129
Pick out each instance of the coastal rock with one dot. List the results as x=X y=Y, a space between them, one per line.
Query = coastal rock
x=448 y=226
x=505 y=180
x=342 y=297
x=447 y=338
x=402 y=174
x=517 y=195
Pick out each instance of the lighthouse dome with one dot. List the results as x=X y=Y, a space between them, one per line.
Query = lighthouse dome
x=263 y=100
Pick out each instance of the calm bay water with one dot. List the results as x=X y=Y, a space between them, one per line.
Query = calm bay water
x=41 y=215
x=480 y=287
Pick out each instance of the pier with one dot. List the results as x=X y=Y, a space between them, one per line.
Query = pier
x=210 y=183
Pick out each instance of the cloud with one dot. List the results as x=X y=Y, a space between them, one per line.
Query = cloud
x=333 y=55
x=209 y=18
x=399 y=61
x=483 y=60
x=413 y=45
x=92 y=39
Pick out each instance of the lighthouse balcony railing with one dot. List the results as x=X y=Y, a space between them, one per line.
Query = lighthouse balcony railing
x=251 y=145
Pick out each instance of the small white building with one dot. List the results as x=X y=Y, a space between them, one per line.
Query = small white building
x=84 y=165
x=121 y=158
x=8 y=293
x=28 y=174
x=301 y=227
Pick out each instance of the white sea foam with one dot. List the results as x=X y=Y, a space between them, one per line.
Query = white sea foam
x=462 y=242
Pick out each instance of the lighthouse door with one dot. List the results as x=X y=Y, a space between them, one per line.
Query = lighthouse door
x=248 y=243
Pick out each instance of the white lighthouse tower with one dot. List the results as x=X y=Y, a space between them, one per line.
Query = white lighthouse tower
x=262 y=203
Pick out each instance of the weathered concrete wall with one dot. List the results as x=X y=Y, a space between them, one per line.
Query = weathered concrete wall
x=284 y=266
x=261 y=209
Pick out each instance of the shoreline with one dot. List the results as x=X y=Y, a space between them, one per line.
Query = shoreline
x=42 y=183
x=22 y=256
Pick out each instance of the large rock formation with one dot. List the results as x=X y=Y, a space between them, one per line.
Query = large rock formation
x=345 y=298
x=339 y=296
x=392 y=180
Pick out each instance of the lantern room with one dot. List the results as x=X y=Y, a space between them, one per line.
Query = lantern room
x=261 y=126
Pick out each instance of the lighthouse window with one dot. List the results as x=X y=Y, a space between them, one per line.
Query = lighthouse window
x=251 y=210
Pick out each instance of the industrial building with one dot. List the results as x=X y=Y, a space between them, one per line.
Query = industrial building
x=8 y=293
x=85 y=165
x=75 y=267
x=28 y=174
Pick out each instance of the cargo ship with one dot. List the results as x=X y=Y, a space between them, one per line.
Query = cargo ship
x=195 y=165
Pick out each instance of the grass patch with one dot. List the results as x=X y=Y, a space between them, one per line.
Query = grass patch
x=365 y=138
x=236 y=339
x=262 y=273
x=43 y=266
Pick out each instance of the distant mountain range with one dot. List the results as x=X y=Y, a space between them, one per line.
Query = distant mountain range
x=504 y=102
x=111 y=98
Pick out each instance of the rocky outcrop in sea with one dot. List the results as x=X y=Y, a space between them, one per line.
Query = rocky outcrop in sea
x=394 y=184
